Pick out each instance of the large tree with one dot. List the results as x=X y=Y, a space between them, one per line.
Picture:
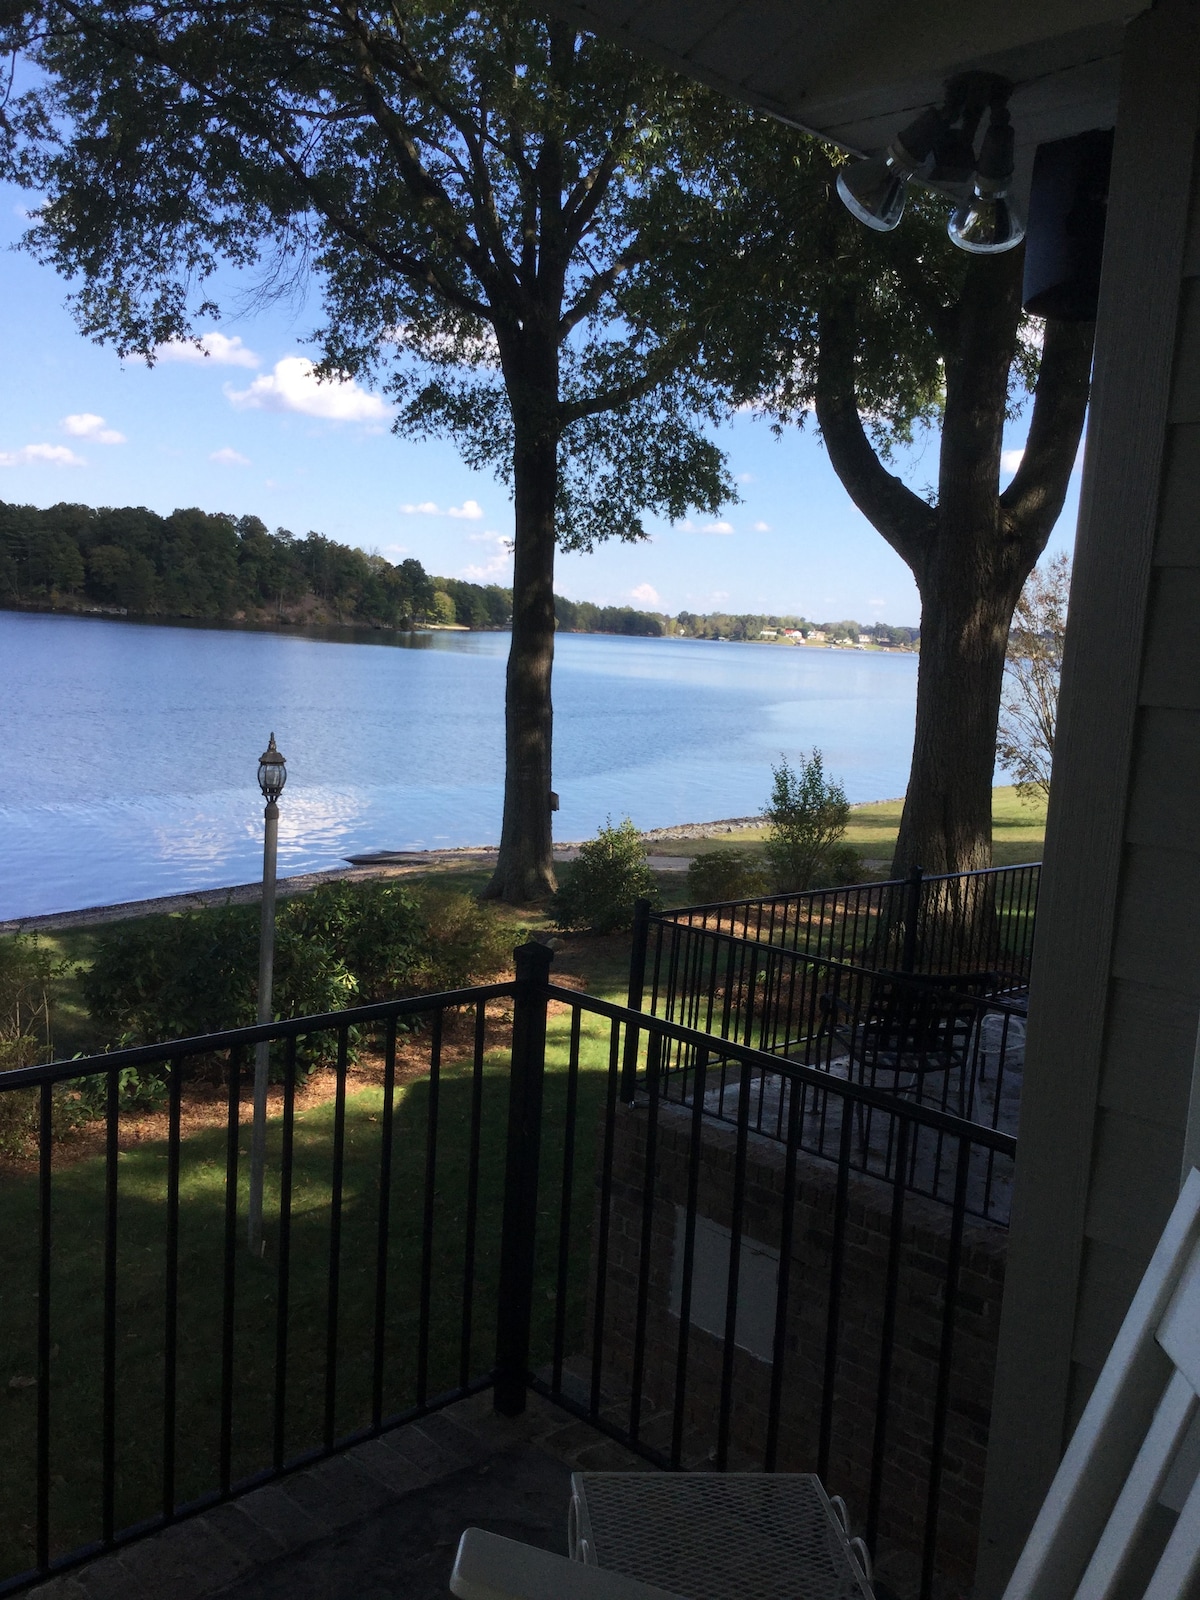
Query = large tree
x=884 y=336
x=464 y=187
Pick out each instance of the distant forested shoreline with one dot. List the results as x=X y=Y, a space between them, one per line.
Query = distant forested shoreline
x=207 y=566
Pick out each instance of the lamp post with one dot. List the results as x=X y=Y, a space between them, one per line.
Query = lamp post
x=272 y=775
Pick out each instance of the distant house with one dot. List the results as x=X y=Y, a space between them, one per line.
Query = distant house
x=816 y=637
x=769 y=633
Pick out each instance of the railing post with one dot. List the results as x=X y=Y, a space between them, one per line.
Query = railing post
x=912 y=912
x=515 y=1299
x=637 y=995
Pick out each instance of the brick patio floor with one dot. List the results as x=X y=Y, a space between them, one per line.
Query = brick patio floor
x=380 y=1522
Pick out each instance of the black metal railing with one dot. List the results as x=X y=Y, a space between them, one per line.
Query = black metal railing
x=952 y=923
x=952 y=1042
x=453 y=1206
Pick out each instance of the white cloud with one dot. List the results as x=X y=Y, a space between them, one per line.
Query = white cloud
x=497 y=564
x=878 y=605
x=227 y=457
x=762 y=527
x=55 y=454
x=646 y=593
x=292 y=386
x=1010 y=460
x=719 y=527
x=87 y=425
x=470 y=510
x=746 y=477
x=218 y=347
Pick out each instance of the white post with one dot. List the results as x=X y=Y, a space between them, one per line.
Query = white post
x=266 y=963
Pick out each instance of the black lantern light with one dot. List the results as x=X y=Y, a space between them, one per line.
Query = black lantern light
x=272 y=773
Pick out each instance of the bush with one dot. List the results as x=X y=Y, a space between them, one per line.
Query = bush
x=344 y=944
x=465 y=941
x=725 y=875
x=599 y=888
x=841 y=866
x=28 y=975
x=806 y=817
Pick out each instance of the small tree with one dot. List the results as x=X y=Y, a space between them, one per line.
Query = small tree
x=806 y=817
x=600 y=887
x=1029 y=707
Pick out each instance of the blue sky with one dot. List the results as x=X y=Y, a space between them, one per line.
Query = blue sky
x=247 y=430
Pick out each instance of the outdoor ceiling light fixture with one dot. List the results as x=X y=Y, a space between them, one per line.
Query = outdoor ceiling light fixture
x=938 y=151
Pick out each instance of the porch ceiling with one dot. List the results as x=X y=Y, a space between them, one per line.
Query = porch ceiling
x=854 y=71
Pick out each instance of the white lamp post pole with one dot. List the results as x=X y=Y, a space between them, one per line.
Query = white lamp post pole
x=272 y=775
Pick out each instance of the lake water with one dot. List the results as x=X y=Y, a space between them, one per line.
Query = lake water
x=128 y=752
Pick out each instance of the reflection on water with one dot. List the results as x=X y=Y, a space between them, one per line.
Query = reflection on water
x=130 y=750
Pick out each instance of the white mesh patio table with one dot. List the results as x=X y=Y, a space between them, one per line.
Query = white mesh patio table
x=716 y=1535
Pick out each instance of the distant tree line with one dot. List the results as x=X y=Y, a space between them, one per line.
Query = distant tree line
x=751 y=625
x=198 y=564
x=212 y=566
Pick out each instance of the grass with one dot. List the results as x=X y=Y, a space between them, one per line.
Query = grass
x=453 y=1347
x=1018 y=832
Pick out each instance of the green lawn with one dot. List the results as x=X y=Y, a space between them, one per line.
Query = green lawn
x=77 y=1288
x=1018 y=832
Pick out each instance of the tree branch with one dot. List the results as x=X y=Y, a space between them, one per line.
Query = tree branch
x=902 y=517
x=1031 y=503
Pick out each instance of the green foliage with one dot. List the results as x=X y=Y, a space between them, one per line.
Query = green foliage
x=344 y=944
x=464 y=940
x=581 y=616
x=198 y=564
x=411 y=184
x=842 y=865
x=28 y=975
x=725 y=875
x=599 y=888
x=806 y=816
x=1033 y=667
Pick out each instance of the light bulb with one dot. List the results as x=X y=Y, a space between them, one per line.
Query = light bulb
x=874 y=190
x=987 y=224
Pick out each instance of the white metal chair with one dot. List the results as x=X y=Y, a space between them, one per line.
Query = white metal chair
x=679 y=1536
x=1124 y=1457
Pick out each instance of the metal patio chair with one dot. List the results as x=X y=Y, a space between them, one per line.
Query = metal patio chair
x=679 y=1536
x=898 y=1030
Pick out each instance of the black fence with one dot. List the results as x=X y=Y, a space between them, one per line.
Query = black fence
x=950 y=1043
x=460 y=1197
x=955 y=923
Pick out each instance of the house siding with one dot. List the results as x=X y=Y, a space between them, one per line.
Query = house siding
x=1116 y=984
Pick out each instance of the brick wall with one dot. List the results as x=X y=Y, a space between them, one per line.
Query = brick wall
x=917 y=1336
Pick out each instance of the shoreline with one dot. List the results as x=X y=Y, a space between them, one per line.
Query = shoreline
x=385 y=864
x=376 y=864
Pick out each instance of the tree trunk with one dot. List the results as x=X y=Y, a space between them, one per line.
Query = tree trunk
x=525 y=869
x=970 y=576
x=947 y=820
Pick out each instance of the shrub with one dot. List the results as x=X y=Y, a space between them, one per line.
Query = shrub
x=175 y=977
x=464 y=940
x=376 y=931
x=841 y=866
x=725 y=875
x=806 y=817
x=344 y=944
x=599 y=888
x=27 y=980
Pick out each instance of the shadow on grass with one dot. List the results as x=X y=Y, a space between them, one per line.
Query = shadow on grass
x=438 y=1314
